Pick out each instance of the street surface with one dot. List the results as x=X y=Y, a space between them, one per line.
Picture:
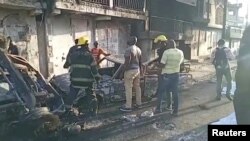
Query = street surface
x=198 y=108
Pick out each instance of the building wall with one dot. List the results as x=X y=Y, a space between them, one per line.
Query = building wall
x=202 y=46
x=93 y=8
x=21 y=27
x=112 y=37
x=63 y=29
x=205 y=37
x=216 y=13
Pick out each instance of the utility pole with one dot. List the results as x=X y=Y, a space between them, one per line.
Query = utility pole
x=224 y=19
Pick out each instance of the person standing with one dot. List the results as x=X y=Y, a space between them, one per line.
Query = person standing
x=97 y=52
x=242 y=77
x=83 y=73
x=132 y=69
x=220 y=59
x=160 y=43
x=12 y=47
x=170 y=64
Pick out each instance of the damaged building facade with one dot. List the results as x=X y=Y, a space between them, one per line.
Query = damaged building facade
x=18 y=21
x=196 y=27
x=44 y=30
x=109 y=22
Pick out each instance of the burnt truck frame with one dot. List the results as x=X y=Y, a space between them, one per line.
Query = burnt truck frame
x=27 y=100
x=111 y=87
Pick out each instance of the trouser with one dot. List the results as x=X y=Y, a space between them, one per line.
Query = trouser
x=219 y=75
x=132 y=79
x=87 y=102
x=166 y=96
x=168 y=83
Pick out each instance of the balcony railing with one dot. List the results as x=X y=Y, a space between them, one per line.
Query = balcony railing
x=102 y=2
x=137 y=5
x=130 y=4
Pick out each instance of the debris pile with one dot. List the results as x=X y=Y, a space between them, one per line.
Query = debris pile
x=164 y=126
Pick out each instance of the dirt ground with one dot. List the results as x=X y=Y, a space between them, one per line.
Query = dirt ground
x=198 y=108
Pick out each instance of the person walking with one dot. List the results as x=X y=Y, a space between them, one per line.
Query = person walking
x=220 y=59
x=83 y=73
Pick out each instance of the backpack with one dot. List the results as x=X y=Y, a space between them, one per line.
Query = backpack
x=220 y=58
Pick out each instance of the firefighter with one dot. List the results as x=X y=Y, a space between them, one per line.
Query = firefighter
x=160 y=43
x=83 y=73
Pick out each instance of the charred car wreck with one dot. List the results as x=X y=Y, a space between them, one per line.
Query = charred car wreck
x=28 y=104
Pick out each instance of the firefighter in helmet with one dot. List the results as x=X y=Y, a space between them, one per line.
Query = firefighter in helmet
x=83 y=74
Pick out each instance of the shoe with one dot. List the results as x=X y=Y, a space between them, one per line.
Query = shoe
x=229 y=97
x=218 y=98
x=174 y=113
x=137 y=106
x=125 y=109
x=168 y=109
x=157 y=111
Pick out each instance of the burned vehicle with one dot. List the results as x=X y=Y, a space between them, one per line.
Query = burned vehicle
x=106 y=90
x=111 y=87
x=28 y=104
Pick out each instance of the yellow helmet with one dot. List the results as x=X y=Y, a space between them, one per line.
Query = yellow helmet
x=160 y=38
x=83 y=40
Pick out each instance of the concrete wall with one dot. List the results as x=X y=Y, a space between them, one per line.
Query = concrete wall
x=42 y=47
x=216 y=11
x=23 y=4
x=205 y=38
x=63 y=29
x=206 y=42
x=112 y=37
x=21 y=27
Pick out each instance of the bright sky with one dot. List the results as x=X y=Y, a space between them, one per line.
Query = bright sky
x=243 y=11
